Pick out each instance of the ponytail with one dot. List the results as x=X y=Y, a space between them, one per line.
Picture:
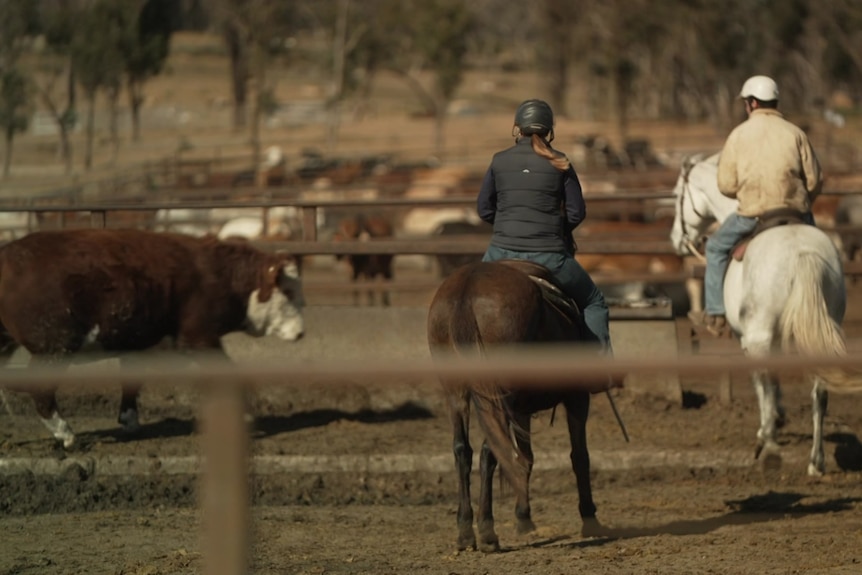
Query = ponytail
x=542 y=148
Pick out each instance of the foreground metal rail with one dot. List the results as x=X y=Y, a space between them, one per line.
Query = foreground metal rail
x=550 y=366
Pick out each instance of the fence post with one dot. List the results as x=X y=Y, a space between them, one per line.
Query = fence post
x=224 y=481
x=309 y=223
x=98 y=218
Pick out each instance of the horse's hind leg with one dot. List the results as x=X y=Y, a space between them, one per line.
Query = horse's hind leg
x=768 y=397
x=757 y=342
x=577 y=411
x=819 y=400
x=523 y=514
x=459 y=415
x=488 y=540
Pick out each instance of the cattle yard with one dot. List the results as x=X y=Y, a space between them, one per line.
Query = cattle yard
x=356 y=434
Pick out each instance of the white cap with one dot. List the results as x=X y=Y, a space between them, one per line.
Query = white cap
x=763 y=88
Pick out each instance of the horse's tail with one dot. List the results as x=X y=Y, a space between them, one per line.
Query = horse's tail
x=491 y=411
x=807 y=327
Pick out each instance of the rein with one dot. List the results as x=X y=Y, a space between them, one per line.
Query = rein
x=680 y=210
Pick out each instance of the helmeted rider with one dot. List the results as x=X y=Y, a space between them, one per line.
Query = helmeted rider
x=532 y=196
x=767 y=163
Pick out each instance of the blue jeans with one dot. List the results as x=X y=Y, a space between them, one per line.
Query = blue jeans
x=576 y=282
x=718 y=247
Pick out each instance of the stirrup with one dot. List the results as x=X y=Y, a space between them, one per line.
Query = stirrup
x=718 y=326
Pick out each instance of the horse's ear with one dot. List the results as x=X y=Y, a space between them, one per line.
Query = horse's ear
x=689 y=162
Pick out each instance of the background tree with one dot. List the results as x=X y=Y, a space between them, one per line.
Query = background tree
x=97 y=61
x=254 y=32
x=237 y=43
x=621 y=34
x=680 y=59
x=839 y=23
x=558 y=50
x=506 y=36
x=656 y=59
x=18 y=22
x=357 y=47
x=370 y=43
x=703 y=61
x=342 y=46
x=15 y=109
x=55 y=78
x=443 y=27
x=426 y=36
x=145 y=46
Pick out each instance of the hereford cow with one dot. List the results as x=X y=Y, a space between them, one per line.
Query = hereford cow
x=366 y=266
x=63 y=292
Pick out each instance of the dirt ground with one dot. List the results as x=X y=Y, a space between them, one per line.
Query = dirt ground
x=710 y=510
x=684 y=496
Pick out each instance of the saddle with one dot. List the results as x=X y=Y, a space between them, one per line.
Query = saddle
x=552 y=291
x=770 y=219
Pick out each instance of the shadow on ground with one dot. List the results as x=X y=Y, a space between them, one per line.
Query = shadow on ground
x=268 y=426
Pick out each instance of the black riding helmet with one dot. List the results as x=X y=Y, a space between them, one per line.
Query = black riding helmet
x=535 y=117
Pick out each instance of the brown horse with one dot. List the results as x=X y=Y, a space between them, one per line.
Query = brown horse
x=367 y=266
x=479 y=306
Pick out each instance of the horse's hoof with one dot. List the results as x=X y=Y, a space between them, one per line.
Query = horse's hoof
x=490 y=546
x=816 y=470
x=525 y=526
x=771 y=461
x=592 y=527
x=466 y=542
x=758 y=449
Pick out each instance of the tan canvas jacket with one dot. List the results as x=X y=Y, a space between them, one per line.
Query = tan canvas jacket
x=768 y=163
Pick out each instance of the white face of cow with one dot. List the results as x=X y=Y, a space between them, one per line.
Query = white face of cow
x=281 y=314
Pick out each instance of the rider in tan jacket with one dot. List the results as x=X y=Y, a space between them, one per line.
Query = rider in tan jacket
x=767 y=163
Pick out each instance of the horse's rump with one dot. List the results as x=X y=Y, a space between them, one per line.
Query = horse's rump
x=810 y=324
x=792 y=274
x=485 y=303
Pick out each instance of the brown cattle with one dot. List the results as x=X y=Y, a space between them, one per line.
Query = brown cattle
x=366 y=266
x=617 y=267
x=64 y=292
x=448 y=263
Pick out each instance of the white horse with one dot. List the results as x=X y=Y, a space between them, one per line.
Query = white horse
x=787 y=294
